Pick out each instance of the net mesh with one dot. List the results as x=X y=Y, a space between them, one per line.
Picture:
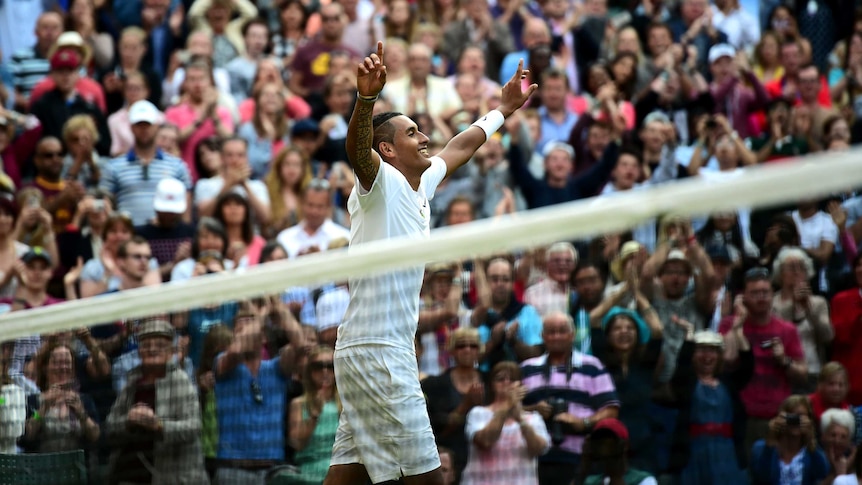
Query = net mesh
x=219 y=410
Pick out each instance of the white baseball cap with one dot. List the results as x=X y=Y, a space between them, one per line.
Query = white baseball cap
x=718 y=51
x=170 y=196
x=144 y=112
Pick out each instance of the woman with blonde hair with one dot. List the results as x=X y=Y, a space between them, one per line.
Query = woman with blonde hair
x=789 y=455
x=289 y=175
x=767 y=63
x=267 y=132
x=82 y=163
x=314 y=420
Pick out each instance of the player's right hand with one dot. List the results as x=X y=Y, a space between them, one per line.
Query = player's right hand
x=371 y=74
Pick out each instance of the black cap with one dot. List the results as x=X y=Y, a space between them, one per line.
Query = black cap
x=37 y=252
x=305 y=126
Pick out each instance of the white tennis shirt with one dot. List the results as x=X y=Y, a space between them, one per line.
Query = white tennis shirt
x=384 y=309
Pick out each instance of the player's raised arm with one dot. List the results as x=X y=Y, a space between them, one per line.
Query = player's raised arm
x=370 y=79
x=461 y=148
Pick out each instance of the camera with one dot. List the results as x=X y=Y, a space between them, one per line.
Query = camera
x=558 y=406
x=711 y=124
x=98 y=205
x=792 y=420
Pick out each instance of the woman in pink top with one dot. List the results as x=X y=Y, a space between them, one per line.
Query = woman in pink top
x=504 y=440
x=244 y=245
x=268 y=72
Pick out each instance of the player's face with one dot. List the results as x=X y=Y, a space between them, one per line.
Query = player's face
x=411 y=145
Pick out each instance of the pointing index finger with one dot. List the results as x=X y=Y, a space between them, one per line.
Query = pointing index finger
x=520 y=69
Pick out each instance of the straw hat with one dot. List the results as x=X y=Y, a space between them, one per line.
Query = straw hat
x=73 y=40
x=629 y=249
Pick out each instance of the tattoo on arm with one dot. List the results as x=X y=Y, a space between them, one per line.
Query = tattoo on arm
x=360 y=157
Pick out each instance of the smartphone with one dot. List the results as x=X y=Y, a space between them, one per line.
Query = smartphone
x=98 y=205
x=33 y=201
x=766 y=344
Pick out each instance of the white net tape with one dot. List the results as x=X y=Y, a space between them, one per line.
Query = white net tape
x=812 y=176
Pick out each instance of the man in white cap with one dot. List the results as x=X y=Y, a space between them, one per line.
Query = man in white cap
x=169 y=236
x=134 y=178
x=731 y=76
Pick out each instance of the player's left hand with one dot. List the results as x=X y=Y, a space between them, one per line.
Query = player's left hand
x=514 y=96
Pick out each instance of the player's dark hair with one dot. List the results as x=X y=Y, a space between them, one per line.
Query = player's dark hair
x=384 y=131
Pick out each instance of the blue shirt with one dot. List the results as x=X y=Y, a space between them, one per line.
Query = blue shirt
x=553 y=131
x=259 y=150
x=529 y=330
x=200 y=321
x=249 y=430
x=134 y=184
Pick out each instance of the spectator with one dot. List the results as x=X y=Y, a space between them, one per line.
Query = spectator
x=307 y=72
x=105 y=271
x=778 y=142
x=553 y=293
x=60 y=418
x=155 y=423
x=845 y=312
x=14 y=405
x=169 y=236
x=132 y=179
x=607 y=447
x=420 y=91
x=217 y=340
x=778 y=356
x=793 y=269
x=293 y=18
x=440 y=314
x=535 y=33
x=478 y=26
x=250 y=400
x=199 y=49
x=167 y=139
x=217 y=18
x=694 y=26
x=315 y=230
x=267 y=132
x=135 y=88
x=452 y=395
x=731 y=78
x=509 y=330
x=82 y=164
x=710 y=427
x=766 y=63
x=837 y=431
x=571 y=391
x=504 y=440
x=791 y=434
x=314 y=418
x=81 y=18
x=32 y=64
x=210 y=240
x=831 y=391
x=53 y=110
x=234 y=212
x=242 y=68
x=198 y=115
x=131 y=49
x=87 y=87
x=235 y=177
x=60 y=197
x=288 y=177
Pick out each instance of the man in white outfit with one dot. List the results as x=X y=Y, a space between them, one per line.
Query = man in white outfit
x=384 y=432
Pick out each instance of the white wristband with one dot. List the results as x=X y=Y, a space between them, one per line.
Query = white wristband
x=490 y=123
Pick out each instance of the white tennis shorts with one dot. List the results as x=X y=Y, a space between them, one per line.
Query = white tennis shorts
x=384 y=421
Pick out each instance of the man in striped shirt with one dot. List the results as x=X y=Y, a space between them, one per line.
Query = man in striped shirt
x=31 y=65
x=572 y=391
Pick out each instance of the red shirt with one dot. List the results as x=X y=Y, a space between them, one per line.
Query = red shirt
x=769 y=384
x=775 y=89
x=846 y=319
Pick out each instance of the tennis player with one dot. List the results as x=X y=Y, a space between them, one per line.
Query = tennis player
x=384 y=432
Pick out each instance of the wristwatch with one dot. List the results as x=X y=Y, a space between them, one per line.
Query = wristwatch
x=588 y=425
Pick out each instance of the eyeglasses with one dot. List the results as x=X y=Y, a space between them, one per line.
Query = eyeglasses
x=319 y=184
x=320 y=365
x=256 y=392
x=51 y=155
x=465 y=345
x=139 y=257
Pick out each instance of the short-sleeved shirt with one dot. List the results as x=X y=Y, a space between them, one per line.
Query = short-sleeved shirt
x=384 y=309
x=589 y=389
x=529 y=330
x=134 y=184
x=249 y=430
x=296 y=239
x=769 y=384
x=199 y=324
x=208 y=189
x=311 y=61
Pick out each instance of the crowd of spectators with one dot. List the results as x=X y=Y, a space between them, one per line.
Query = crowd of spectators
x=147 y=142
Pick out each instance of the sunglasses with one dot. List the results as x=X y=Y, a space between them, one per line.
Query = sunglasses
x=319 y=366
x=51 y=154
x=256 y=392
x=465 y=345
